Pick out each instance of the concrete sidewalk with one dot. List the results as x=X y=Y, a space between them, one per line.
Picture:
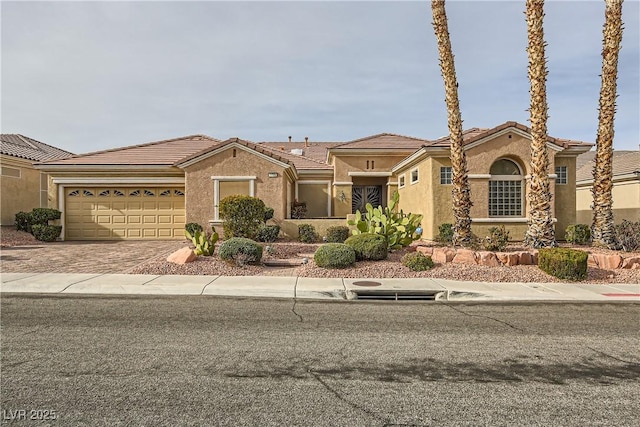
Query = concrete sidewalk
x=312 y=288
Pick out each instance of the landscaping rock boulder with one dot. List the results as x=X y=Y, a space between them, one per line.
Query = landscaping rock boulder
x=424 y=250
x=182 y=256
x=525 y=258
x=632 y=262
x=488 y=258
x=443 y=255
x=508 y=258
x=465 y=256
x=607 y=262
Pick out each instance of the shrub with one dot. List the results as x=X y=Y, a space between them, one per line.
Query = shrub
x=445 y=233
x=497 y=239
x=368 y=246
x=23 y=221
x=334 y=255
x=204 y=243
x=298 y=210
x=45 y=232
x=268 y=233
x=417 y=261
x=307 y=233
x=628 y=235
x=563 y=263
x=337 y=234
x=242 y=216
x=44 y=215
x=192 y=227
x=268 y=214
x=241 y=250
x=578 y=234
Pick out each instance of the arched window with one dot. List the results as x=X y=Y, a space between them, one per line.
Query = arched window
x=506 y=190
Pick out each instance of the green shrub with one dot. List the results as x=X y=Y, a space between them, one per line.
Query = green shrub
x=204 y=242
x=268 y=214
x=268 y=233
x=242 y=216
x=334 y=255
x=298 y=210
x=46 y=233
x=241 y=250
x=192 y=227
x=368 y=246
x=578 y=234
x=44 y=215
x=417 y=261
x=337 y=234
x=307 y=233
x=497 y=239
x=563 y=263
x=445 y=233
x=628 y=235
x=23 y=221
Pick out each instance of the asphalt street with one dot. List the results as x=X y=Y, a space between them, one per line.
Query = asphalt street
x=111 y=361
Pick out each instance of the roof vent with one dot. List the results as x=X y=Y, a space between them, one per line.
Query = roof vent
x=306 y=141
x=289 y=139
x=297 y=151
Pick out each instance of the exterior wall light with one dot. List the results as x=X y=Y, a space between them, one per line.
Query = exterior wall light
x=273 y=174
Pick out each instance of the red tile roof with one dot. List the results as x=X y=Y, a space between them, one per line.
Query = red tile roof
x=313 y=150
x=21 y=146
x=385 y=141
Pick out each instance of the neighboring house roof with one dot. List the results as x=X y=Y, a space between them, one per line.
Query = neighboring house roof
x=384 y=141
x=300 y=161
x=21 y=146
x=624 y=163
x=158 y=153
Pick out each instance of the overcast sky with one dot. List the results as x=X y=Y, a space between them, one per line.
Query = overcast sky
x=85 y=76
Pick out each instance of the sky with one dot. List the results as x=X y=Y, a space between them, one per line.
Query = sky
x=87 y=76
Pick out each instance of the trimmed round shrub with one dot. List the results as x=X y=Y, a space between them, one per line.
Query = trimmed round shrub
x=337 y=234
x=241 y=250
x=334 y=255
x=268 y=233
x=46 y=233
x=44 y=215
x=307 y=233
x=563 y=263
x=417 y=261
x=368 y=247
x=578 y=234
x=242 y=215
x=23 y=221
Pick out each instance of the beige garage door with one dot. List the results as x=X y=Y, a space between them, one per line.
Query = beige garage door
x=124 y=213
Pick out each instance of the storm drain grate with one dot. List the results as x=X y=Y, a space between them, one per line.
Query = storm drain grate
x=396 y=295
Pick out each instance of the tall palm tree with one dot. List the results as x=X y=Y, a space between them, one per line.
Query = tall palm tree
x=461 y=192
x=540 y=232
x=602 y=226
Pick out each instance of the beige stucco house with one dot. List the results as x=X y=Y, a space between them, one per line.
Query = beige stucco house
x=625 y=191
x=152 y=190
x=22 y=186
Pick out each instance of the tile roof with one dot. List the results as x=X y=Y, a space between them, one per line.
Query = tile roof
x=624 y=162
x=236 y=140
x=385 y=141
x=158 y=153
x=300 y=161
x=21 y=146
x=313 y=150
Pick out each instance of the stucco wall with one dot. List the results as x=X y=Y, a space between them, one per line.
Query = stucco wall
x=626 y=202
x=18 y=194
x=289 y=227
x=418 y=197
x=565 y=196
x=344 y=164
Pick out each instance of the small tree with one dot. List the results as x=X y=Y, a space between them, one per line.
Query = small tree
x=242 y=215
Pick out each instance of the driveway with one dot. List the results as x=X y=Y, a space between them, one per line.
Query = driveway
x=84 y=257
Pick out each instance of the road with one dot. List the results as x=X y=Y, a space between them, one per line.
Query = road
x=109 y=361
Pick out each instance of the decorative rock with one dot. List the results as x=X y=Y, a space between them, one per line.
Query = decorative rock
x=443 y=255
x=525 y=258
x=465 y=256
x=508 y=258
x=424 y=249
x=631 y=262
x=489 y=259
x=607 y=262
x=182 y=256
x=591 y=261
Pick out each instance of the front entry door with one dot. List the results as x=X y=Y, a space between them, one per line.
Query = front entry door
x=363 y=194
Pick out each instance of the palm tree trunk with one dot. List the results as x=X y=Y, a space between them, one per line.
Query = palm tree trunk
x=540 y=232
x=602 y=227
x=461 y=192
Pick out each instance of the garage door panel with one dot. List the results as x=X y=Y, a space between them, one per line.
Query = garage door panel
x=120 y=206
x=163 y=205
x=134 y=233
x=119 y=219
x=134 y=219
x=150 y=206
x=104 y=219
x=149 y=232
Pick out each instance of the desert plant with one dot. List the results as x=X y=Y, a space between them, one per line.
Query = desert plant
x=45 y=232
x=337 y=234
x=368 y=246
x=268 y=233
x=563 y=263
x=241 y=250
x=204 y=242
x=268 y=214
x=23 y=221
x=242 y=216
x=445 y=233
x=398 y=228
x=578 y=234
x=192 y=227
x=334 y=255
x=497 y=239
x=44 y=215
x=628 y=235
x=307 y=233
x=298 y=210
x=417 y=261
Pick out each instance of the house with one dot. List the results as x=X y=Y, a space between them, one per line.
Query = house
x=152 y=190
x=625 y=191
x=22 y=186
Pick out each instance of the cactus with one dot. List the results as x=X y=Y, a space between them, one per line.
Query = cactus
x=204 y=242
x=397 y=227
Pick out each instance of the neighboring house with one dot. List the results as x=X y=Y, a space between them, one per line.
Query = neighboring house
x=22 y=186
x=625 y=191
x=152 y=190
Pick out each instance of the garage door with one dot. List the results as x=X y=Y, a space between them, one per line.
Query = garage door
x=124 y=213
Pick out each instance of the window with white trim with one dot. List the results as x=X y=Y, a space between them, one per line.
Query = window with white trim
x=414 y=175
x=10 y=172
x=446 y=176
x=505 y=189
x=44 y=190
x=225 y=186
x=561 y=175
x=401 y=182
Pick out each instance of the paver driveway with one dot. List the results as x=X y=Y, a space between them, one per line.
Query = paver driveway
x=84 y=257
